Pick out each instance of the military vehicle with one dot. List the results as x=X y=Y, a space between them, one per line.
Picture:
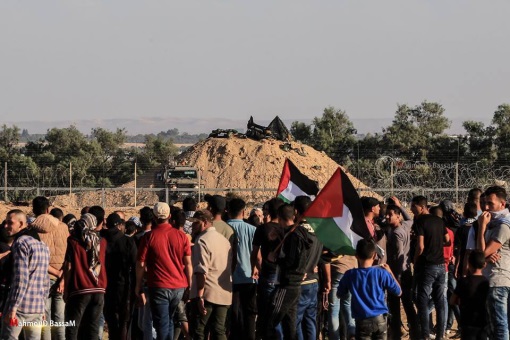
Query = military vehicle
x=182 y=181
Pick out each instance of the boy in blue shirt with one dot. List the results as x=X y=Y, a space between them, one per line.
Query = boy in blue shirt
x=367 y=285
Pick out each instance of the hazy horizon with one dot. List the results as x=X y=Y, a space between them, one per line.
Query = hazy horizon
x=220 y=62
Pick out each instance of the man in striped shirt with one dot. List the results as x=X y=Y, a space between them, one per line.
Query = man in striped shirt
x=29 y=287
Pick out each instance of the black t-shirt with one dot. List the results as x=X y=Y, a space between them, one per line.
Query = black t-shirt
x=472 y=291
x=268 y=236
x=432 y=229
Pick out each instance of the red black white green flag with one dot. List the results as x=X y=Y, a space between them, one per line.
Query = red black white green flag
x=337 y=217
x=293 y=183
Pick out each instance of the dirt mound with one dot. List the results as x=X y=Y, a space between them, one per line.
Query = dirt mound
x=248 y=164
x=110 y=198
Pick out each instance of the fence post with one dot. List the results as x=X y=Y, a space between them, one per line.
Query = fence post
x=166 y=195
x=135 y=184
x=457 y=182
x=70 y=178
x=5 y=183
x=103 y=198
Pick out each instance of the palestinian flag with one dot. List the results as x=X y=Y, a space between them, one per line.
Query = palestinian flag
x=337 y=216
x=293 y=183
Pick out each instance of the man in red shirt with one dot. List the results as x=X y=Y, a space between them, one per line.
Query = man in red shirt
x=165 y=254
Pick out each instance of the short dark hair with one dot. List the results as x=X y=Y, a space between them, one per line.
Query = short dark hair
x=146 y=215
x=130 y=227
x=436 y=211
x=98 y=212
x=286 y=212
x=474 y=194
x=235 y=206
x=272 y=206
x=477 y=259
x=177 y=217
x=365 y=249
x=57 y=213
x=301 y=203
x=393 y=208
x=189 y=204
x=500 y=192
x=40 y=205
x=368 y=203
x=470 y=210
x=420 y=200
x=69 y=217
x=84 y=210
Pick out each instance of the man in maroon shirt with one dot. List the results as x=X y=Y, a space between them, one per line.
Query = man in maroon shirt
x=165 y=254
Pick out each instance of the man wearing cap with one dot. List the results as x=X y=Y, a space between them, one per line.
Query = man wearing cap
x=165 y=253
x=371 y=209
x=120 y=272
x=217 y=204
x=212 y=277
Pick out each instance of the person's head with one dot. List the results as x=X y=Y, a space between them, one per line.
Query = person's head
x=436 y=211
x=99 y=214
x=161 y=212
x=201 y=220
x=419 y=205
x=236 y=208
x=189 y=204
x=286 y=215
x=446 y=206
x=40 y=205
x=177 y=217
x=131 y=228
x=474 y=196
x=365 y=250
x=271 y=208
x=15 y=221
x=121 y=214
x=476 y=260
x=146 y=216
x=256 y=217
x=84 y=210
x=495 y=199
x=470 y=210
x=393 y=215
x=370 y=206
x=216 y=204
x=301 y=203
x=114 y=221
x=57 y=213
x=69 y=220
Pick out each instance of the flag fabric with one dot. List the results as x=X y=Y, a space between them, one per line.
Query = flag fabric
x=293 y=183
x=337 y=216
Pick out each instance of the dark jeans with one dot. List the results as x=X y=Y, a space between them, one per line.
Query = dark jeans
x=117 y=315
x=214 y=321
x=406 y=284
x=164 y=302
x=306 y=322
x=430 y=282
x=453 y=310
x=473 y=333
x=244 y=311
x=372 y=328
x=264 y=293
x=283 y=310
x=85 y=310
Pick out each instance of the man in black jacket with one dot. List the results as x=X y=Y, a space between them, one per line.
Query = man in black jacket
x=120 y=272
x=292 y=262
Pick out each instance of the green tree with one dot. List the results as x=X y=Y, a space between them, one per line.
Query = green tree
x=501 y=124
x=334 y=134
x=301 y=132
x=9 y=139
x=157 y=151
x=414 y=127
x=480 y=141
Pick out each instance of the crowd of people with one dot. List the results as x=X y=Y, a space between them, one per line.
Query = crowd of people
x=219 y=273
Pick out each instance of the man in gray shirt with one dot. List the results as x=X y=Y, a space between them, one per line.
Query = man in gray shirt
x=494 y=240
x=397 y=248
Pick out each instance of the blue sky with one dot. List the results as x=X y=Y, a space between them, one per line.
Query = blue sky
x=72 y=60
